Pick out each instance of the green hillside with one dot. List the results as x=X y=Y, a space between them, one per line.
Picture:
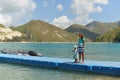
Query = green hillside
x=110 y=36
x=2 y=26
x=75 y=28
x=40 y=31
x=102 y=28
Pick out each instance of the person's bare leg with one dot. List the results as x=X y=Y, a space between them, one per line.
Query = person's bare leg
x=82 y=57
x=77 y=60
x=79 y=57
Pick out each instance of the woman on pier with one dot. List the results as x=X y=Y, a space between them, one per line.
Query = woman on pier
x=81 y=42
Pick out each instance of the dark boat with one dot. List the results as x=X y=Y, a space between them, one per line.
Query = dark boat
x=20 y=52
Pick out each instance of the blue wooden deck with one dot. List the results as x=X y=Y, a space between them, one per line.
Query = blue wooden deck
x=101 y=67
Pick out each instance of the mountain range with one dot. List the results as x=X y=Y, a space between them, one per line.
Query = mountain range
x=76 y=28
x=40 y=31
x=102 y=28
x=98 y=30
x=110 y=36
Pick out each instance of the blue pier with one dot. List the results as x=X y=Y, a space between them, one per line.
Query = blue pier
x=100 y=67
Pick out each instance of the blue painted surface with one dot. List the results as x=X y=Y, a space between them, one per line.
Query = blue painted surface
x=102 y=67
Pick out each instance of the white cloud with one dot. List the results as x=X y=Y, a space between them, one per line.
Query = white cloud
x=98 y=9
x=59 y=7
x=101 y=1
x=13 y=11
x=81 y=20
x=5 y=19
x=62 y=21
x=83 y=8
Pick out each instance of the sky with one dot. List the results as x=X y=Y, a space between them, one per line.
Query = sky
x=61 y=13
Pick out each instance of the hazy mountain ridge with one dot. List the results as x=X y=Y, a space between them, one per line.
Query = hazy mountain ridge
x=76 y=28
x=102 y=28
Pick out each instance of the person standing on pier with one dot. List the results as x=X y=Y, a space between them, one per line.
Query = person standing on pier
x=75 y=54
x=81 y=43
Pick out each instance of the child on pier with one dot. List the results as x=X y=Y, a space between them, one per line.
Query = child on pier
x=75 y=54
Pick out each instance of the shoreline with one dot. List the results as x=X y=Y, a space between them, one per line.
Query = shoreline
x=54 y=42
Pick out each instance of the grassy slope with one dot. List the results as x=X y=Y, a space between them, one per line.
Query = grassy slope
x=1 y=26
x=40 y=31
x=110 y=36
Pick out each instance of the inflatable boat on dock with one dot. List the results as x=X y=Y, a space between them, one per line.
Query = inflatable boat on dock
x=20 y=52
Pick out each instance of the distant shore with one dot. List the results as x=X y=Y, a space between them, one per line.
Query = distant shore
x=53 y=42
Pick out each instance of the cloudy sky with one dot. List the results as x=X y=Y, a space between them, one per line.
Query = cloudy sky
x=62 y=13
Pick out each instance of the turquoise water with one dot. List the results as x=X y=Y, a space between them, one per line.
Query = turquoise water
x=94 y=51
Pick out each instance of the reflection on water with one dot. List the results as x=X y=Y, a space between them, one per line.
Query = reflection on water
x=22 y=72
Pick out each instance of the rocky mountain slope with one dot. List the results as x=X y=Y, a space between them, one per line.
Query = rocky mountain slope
x=7 y=34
